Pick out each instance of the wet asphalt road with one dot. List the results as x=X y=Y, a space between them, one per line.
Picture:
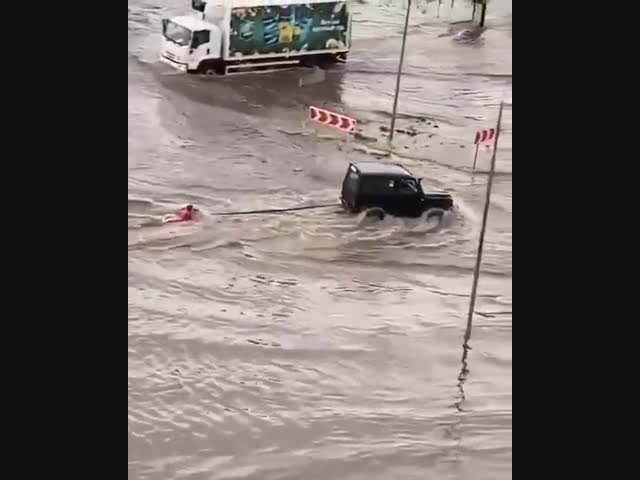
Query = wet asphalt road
x=317 y=345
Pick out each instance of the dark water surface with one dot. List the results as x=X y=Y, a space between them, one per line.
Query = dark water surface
x=316 y=345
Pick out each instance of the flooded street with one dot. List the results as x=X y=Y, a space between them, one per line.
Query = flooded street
x=316 y=345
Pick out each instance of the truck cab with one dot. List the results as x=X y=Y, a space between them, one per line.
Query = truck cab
x=388 y=188
x=191 y=44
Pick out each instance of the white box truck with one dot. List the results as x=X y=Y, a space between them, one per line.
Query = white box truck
x=236 y=36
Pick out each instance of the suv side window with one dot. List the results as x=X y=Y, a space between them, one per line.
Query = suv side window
x=377 y=186
x=407 y=186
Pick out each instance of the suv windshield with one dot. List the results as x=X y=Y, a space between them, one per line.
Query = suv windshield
x=176 y=33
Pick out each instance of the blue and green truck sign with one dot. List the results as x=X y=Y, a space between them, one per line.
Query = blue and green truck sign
x=292 y=29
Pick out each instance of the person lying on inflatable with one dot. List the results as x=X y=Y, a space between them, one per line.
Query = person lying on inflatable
x=183 y=215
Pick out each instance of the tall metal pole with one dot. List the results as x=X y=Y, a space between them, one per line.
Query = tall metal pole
x=476 y=272
x=395 y=100
x=475 y=157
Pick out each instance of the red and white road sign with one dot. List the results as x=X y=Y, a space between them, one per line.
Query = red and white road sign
x=484 y=136
x=335 y=120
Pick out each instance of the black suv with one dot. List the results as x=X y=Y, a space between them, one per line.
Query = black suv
x=388 y=188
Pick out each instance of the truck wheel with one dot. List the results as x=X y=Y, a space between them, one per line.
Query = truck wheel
x=210 y=69
x=308 y=61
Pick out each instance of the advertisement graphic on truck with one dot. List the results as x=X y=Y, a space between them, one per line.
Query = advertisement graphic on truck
x=278 y=29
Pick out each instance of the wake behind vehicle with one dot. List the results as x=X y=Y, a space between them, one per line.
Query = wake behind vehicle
x=235 y=36
x=389 y=188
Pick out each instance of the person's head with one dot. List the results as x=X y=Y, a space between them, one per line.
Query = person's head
x=189 y=208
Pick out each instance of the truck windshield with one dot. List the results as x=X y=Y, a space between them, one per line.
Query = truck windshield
x=176 y=33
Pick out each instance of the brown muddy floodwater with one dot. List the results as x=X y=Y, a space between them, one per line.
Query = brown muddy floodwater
x=317 y=345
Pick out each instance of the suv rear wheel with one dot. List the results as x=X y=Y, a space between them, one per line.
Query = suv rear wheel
x=376 y=213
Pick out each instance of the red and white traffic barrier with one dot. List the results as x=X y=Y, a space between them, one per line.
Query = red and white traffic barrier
x=484 y=136
x=331 y=119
